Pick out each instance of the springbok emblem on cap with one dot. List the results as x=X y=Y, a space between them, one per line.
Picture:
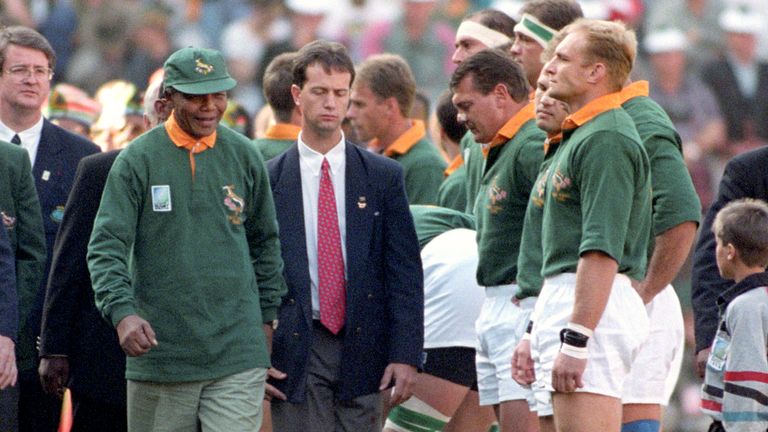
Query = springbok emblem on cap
x=203 y=68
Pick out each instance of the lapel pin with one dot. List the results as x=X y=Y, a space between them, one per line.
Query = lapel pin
x=46 y=175
x=361 y=202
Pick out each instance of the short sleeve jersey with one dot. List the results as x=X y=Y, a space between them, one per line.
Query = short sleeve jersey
x=529 y=279
x=597 y=195
x=510 y=172
x=674 y=198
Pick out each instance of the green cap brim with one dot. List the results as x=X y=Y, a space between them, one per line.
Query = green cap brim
x=205 y=87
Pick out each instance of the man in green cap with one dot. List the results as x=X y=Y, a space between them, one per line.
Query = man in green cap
x=188 y=205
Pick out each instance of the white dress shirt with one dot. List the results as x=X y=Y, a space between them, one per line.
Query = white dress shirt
x=30 y=138
x=310 y=163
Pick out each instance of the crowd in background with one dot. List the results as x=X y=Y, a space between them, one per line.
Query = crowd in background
x=707 y=69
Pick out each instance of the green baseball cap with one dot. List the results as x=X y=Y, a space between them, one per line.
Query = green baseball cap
x=197 y=71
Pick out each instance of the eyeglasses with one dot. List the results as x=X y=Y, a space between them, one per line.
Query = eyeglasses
x=21 y=72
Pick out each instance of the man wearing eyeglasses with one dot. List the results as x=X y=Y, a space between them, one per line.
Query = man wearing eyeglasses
x=26 y=69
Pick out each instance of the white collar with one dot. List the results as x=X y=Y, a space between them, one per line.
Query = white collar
x=29 y=135
x=314 y=159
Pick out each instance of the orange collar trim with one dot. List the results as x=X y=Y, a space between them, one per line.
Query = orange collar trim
x=511 y=127
x=552 y=139
x=283 y=131
x=636 y=89
x=455 y=164
x=184 y=140
x=591 y=110
x=406 y=141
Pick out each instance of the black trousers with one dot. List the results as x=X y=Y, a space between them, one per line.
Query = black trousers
x=93 y=415
x=38 y=411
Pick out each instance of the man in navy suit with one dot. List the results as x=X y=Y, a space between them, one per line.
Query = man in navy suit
x=352 y=322
x=26 y=65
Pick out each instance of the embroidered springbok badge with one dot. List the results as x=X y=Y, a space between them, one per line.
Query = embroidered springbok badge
x=235 y=204
x=203 y=68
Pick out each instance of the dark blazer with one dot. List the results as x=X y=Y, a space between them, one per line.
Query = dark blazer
x=56 y=161
x=9 y=302
x=71 y=324
x=20 y=215
x=744 y=177
x=385 y=299
x=737 y=108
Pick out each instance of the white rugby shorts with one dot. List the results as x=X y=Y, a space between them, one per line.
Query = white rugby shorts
x=621 y=330
x=654 y=372
x=499 y=328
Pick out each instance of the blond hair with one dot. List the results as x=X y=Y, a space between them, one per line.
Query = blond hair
x=608 y=42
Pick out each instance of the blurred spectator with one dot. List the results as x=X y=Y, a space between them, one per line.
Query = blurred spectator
x=200 y=23
x=627 y=11
x=243 y=43
x=698 y=19
x=236 y=117
x=305 y=17
x=16 y=12
x=72 y=109
x=150 y=45
x=425 y=43
x=104 y=29
x=740 y=83
x=346 y=23
x=60 y=27
x=121 y=118
x=690 y=104
x=760 y=7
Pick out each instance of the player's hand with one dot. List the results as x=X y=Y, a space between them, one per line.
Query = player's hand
x=701 y=361
x=567 y=373
x=8 y=371
x=136 y=335
x=522 y=364
x=270 y=391
x=54 y=374
x=404 y=375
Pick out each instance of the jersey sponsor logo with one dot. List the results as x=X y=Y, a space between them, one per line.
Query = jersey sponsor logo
x=541 y=189
x=161 y=198
x=496 y=195
x=561 y=184
x=235 y=204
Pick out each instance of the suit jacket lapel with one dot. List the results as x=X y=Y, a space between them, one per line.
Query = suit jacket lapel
x=47 y=151
x=290 y=206
x=359 y=208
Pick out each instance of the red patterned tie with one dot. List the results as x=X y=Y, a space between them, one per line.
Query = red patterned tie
x=332 y=286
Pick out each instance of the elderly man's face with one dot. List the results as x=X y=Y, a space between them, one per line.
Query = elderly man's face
x=198 y=115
